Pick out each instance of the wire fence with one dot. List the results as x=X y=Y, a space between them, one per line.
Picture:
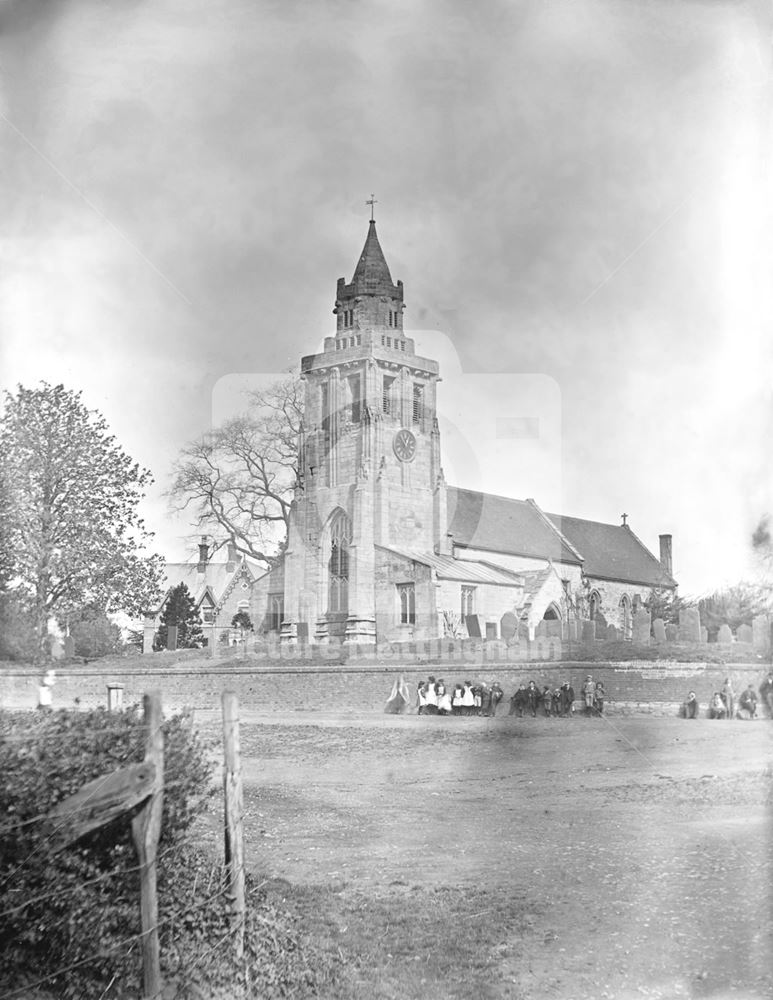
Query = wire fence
x=49 y=827
x=132 y=940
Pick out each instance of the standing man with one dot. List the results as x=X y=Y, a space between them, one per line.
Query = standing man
x=766 y=694
x=567 y=698
x=728 y=697
x=588 y=690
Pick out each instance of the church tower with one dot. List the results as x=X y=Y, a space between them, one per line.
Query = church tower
x=369 y=463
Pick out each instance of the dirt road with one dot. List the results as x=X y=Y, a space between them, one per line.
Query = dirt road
x=623 y=857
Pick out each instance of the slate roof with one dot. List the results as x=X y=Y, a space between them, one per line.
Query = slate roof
x=501 y=524
x=518 y=527
x=371 y=276
x=466 y=570
x=216 y=579
x=612 y=552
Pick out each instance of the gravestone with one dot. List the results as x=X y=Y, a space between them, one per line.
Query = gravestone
x=761 y=633
x=689 y=625
x=69 y=647
x=571 y=631
x=171 y=637
x=613 y=633
x=744 y=633
x=302 y=633
x=704 y=634
x=641 y=627
x=659 y=630
x=474 y=623
x=508 y=626
x=725 y=635
x=672 y=633
x=148 y=635
x=588 y=631
x=491 y=630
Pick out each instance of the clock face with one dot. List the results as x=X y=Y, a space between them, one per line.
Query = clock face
x=404 y=445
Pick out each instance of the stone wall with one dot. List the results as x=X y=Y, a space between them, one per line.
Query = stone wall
x=363 y=688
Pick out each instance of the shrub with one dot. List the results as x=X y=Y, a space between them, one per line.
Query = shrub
x=82 y=909
x=75 y=911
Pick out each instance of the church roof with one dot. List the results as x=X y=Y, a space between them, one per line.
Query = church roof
x=371 y=276
x=466 y=570
x=518 y=527
x=501 y=524
x=613 y=552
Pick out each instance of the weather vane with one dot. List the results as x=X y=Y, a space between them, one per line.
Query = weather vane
x=372 y=202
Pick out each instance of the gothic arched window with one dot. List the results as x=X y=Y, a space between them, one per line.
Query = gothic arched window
x=594 y=605
x=626 y=617
x=338 y=564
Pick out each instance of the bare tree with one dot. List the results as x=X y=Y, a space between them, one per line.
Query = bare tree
x=238 y=480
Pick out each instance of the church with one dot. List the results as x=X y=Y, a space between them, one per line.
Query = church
x=381 y=549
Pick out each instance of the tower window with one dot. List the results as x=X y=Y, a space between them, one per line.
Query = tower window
x=418 y=402
x=354 y=391
x=402 y=345
x=386 y=394
x=275 y=612
x=389 y=341
x=391 y=314
x=406 y=593
x=358 y=338
x=338 y=564
x=324 y=405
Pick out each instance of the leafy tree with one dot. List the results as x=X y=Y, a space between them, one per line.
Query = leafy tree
x=665 y=604
x=93 y=633
x=180 y=610
x=17 y=641
x=239 y=479
x=72 y=532
x=242 y=620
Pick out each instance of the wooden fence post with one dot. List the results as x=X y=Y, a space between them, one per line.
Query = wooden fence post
x=233 y=814
x=146 y=830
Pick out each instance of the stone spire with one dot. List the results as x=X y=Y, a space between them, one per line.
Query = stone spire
x=371 y=276
x=371 y=299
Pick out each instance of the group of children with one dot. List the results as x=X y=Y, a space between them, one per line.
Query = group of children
x=557 y=701
x=722 y=704
x=435 y=698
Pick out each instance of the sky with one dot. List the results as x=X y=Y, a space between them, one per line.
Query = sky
x=575 y=193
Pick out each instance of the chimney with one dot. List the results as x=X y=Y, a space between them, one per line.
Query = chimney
x=666 y=555
x=230 y=565
x=203 y=554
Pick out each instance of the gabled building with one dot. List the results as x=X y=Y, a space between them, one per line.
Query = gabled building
x=381 y=548
x=220 y=589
